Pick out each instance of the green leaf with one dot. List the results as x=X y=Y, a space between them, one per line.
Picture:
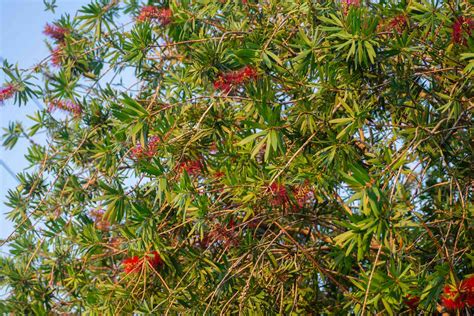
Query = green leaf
x=250 y=138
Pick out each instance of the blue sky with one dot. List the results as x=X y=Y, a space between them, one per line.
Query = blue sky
x=22 y=42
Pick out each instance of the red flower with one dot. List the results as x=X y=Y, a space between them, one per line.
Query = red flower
x=398 y=23
x=226 y=81
x=452 y=298
x=135 y=264
x=57 y=56
x=462 y=29
x=7 y=92
x=150 y=12
x=222 y=84
x=192 y=167
x=219 y=174
x=467 y=289
x=67 y=105
x=222 y=235
x=351 y=2
x=56 y=32
x=346 y=4
x=303 y=194
x=131 y=264
x=412 y=301
x=154 y=259
x=279 y=194
x=248 y=73
x=165 y=16
x=140 y=152
x=231 y=224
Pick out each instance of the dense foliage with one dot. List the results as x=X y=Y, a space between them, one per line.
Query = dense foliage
x=271 y=157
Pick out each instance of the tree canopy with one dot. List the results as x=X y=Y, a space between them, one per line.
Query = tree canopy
x=294 y=157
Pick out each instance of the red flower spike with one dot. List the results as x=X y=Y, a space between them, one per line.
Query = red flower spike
x=412 y=301
x=452 y=298
x=57 y=56
x=165 y=16
x=141 y=152
x=346 y=4
x=7 y=92
x=467 y=289
x=279 y=194
x=192 y=167
x=226 y=81
x=221 y=84
x=398 y=23
x=303 y=194
x=135 y=264
x=462 y=29
x=149 y=13
x=226 y=236
x=66 y=105
x=219 y=174
x=56 y=32
x=248 y=73
x=131 y=265
x=154 y=259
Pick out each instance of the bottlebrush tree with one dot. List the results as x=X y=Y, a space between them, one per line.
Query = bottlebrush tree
x=272 y=157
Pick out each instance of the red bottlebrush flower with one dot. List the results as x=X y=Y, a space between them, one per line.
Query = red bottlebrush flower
x=154 y=259
x=56 y=32
x=398 y=23
x=141 y=152
x=467 y=289
x=232 y=223
x=131 y=264
x=222 y=235
x=412 y=301
x=462 y=29
x=226 y=81
x=149 y=13
x=351 y=2
x=57 y=56
x=219 y=174
x=135 y=264
x=7 y=92
x=452 y=298
x=279 y=194
x=221 y=84
x=248 y=73
x=192 y=167
x=347 y=4
x=303 y=194
x=66 y=105
x=165 y=16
